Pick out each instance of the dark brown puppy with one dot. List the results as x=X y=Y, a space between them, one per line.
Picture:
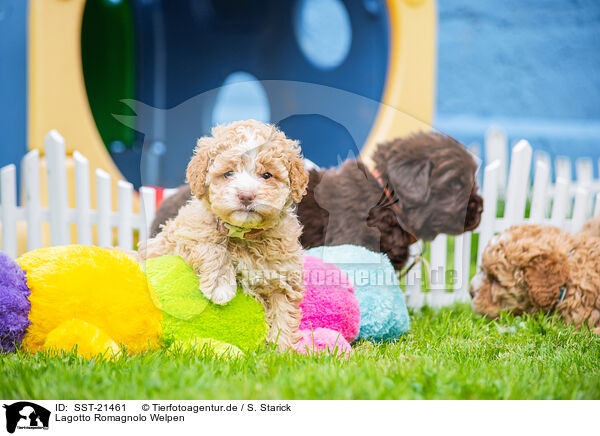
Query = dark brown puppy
x=432 y=177
x=169 y=208
x=431 y=189
x=430 y=181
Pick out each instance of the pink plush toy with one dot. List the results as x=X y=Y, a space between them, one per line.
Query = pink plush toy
x=324 y=340
x=331 y=314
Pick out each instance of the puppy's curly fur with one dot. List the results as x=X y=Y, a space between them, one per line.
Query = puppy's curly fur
x=247 y=175
x=592 y=227
x=526 y=268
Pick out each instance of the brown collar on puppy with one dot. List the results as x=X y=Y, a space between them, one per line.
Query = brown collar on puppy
x=561 y=297
x=394 y=203
x=232 y=231
x=563 y=288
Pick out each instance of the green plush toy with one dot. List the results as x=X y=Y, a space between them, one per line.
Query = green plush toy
x=203 y=345
x=188 y=315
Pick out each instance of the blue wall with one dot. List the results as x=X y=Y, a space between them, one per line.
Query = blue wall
x=13 y=81
x=531 y=66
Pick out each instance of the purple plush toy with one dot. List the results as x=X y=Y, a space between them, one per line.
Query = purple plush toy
x=14 y=304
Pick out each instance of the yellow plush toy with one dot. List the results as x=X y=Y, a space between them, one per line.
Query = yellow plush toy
x=90 y=297
x=86 y=338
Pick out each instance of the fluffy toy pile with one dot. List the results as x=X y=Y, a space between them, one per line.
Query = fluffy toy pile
x=383 y=313
x=100 y=300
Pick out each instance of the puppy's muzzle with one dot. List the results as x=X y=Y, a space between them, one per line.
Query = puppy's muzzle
x=474 y=210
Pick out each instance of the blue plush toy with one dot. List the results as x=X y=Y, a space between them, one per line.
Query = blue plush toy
x=382 y=308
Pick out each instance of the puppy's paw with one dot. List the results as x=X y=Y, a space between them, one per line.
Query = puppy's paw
x=223 y=292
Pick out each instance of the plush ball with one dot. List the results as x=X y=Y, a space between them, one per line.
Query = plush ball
x=14 y=304
x=188 y=314
x=104 y=288
x=383 y=313
x=323 y=340
x=329 y=299
x=88 y=340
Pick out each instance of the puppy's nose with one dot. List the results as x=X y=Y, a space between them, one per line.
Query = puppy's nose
x=474 y=211
x=246 y=197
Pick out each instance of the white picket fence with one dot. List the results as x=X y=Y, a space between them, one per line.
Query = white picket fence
x=550 y=204
x=58 y=214
x=497 y=149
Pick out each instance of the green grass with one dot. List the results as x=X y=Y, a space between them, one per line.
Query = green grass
x=449 y=354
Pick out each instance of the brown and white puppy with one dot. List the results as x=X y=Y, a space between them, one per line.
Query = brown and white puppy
x=426 y=186
x=241 y=226
x=530 y=268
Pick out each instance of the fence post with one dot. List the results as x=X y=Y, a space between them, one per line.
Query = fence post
x=475 y=150
x=8 y=212
x=561 y=199
x=585 y=178
x=496 y=149
x=104 y=208
x=597 y=209
x=518 y=184
x=585 y=172
x=30 y=175
x=439 y=251
x=82 y=198
x=562 y=168
x=490 y=200
x=414 y=291
x=540 y=192
x=57 y=188
x=542 y=156
x=462 y=266
x=437 y=287
x=147 y=210
x=580 y=209
x=125 y=229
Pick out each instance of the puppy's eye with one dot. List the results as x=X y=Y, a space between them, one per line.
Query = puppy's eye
x=267 y=176
x=457 y=185
x=228 y=174
x=493 y=278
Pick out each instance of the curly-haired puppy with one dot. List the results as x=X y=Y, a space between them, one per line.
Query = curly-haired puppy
x=592 y=227
x=241 y=224
x=530 y=268
x=422 y=185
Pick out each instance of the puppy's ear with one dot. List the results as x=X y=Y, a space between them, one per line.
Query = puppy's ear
x=545 y=274
x=298 y=174
x=410 y=180
x=198 y=167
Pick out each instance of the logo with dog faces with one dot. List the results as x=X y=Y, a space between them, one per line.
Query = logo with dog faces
x=26 y=416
